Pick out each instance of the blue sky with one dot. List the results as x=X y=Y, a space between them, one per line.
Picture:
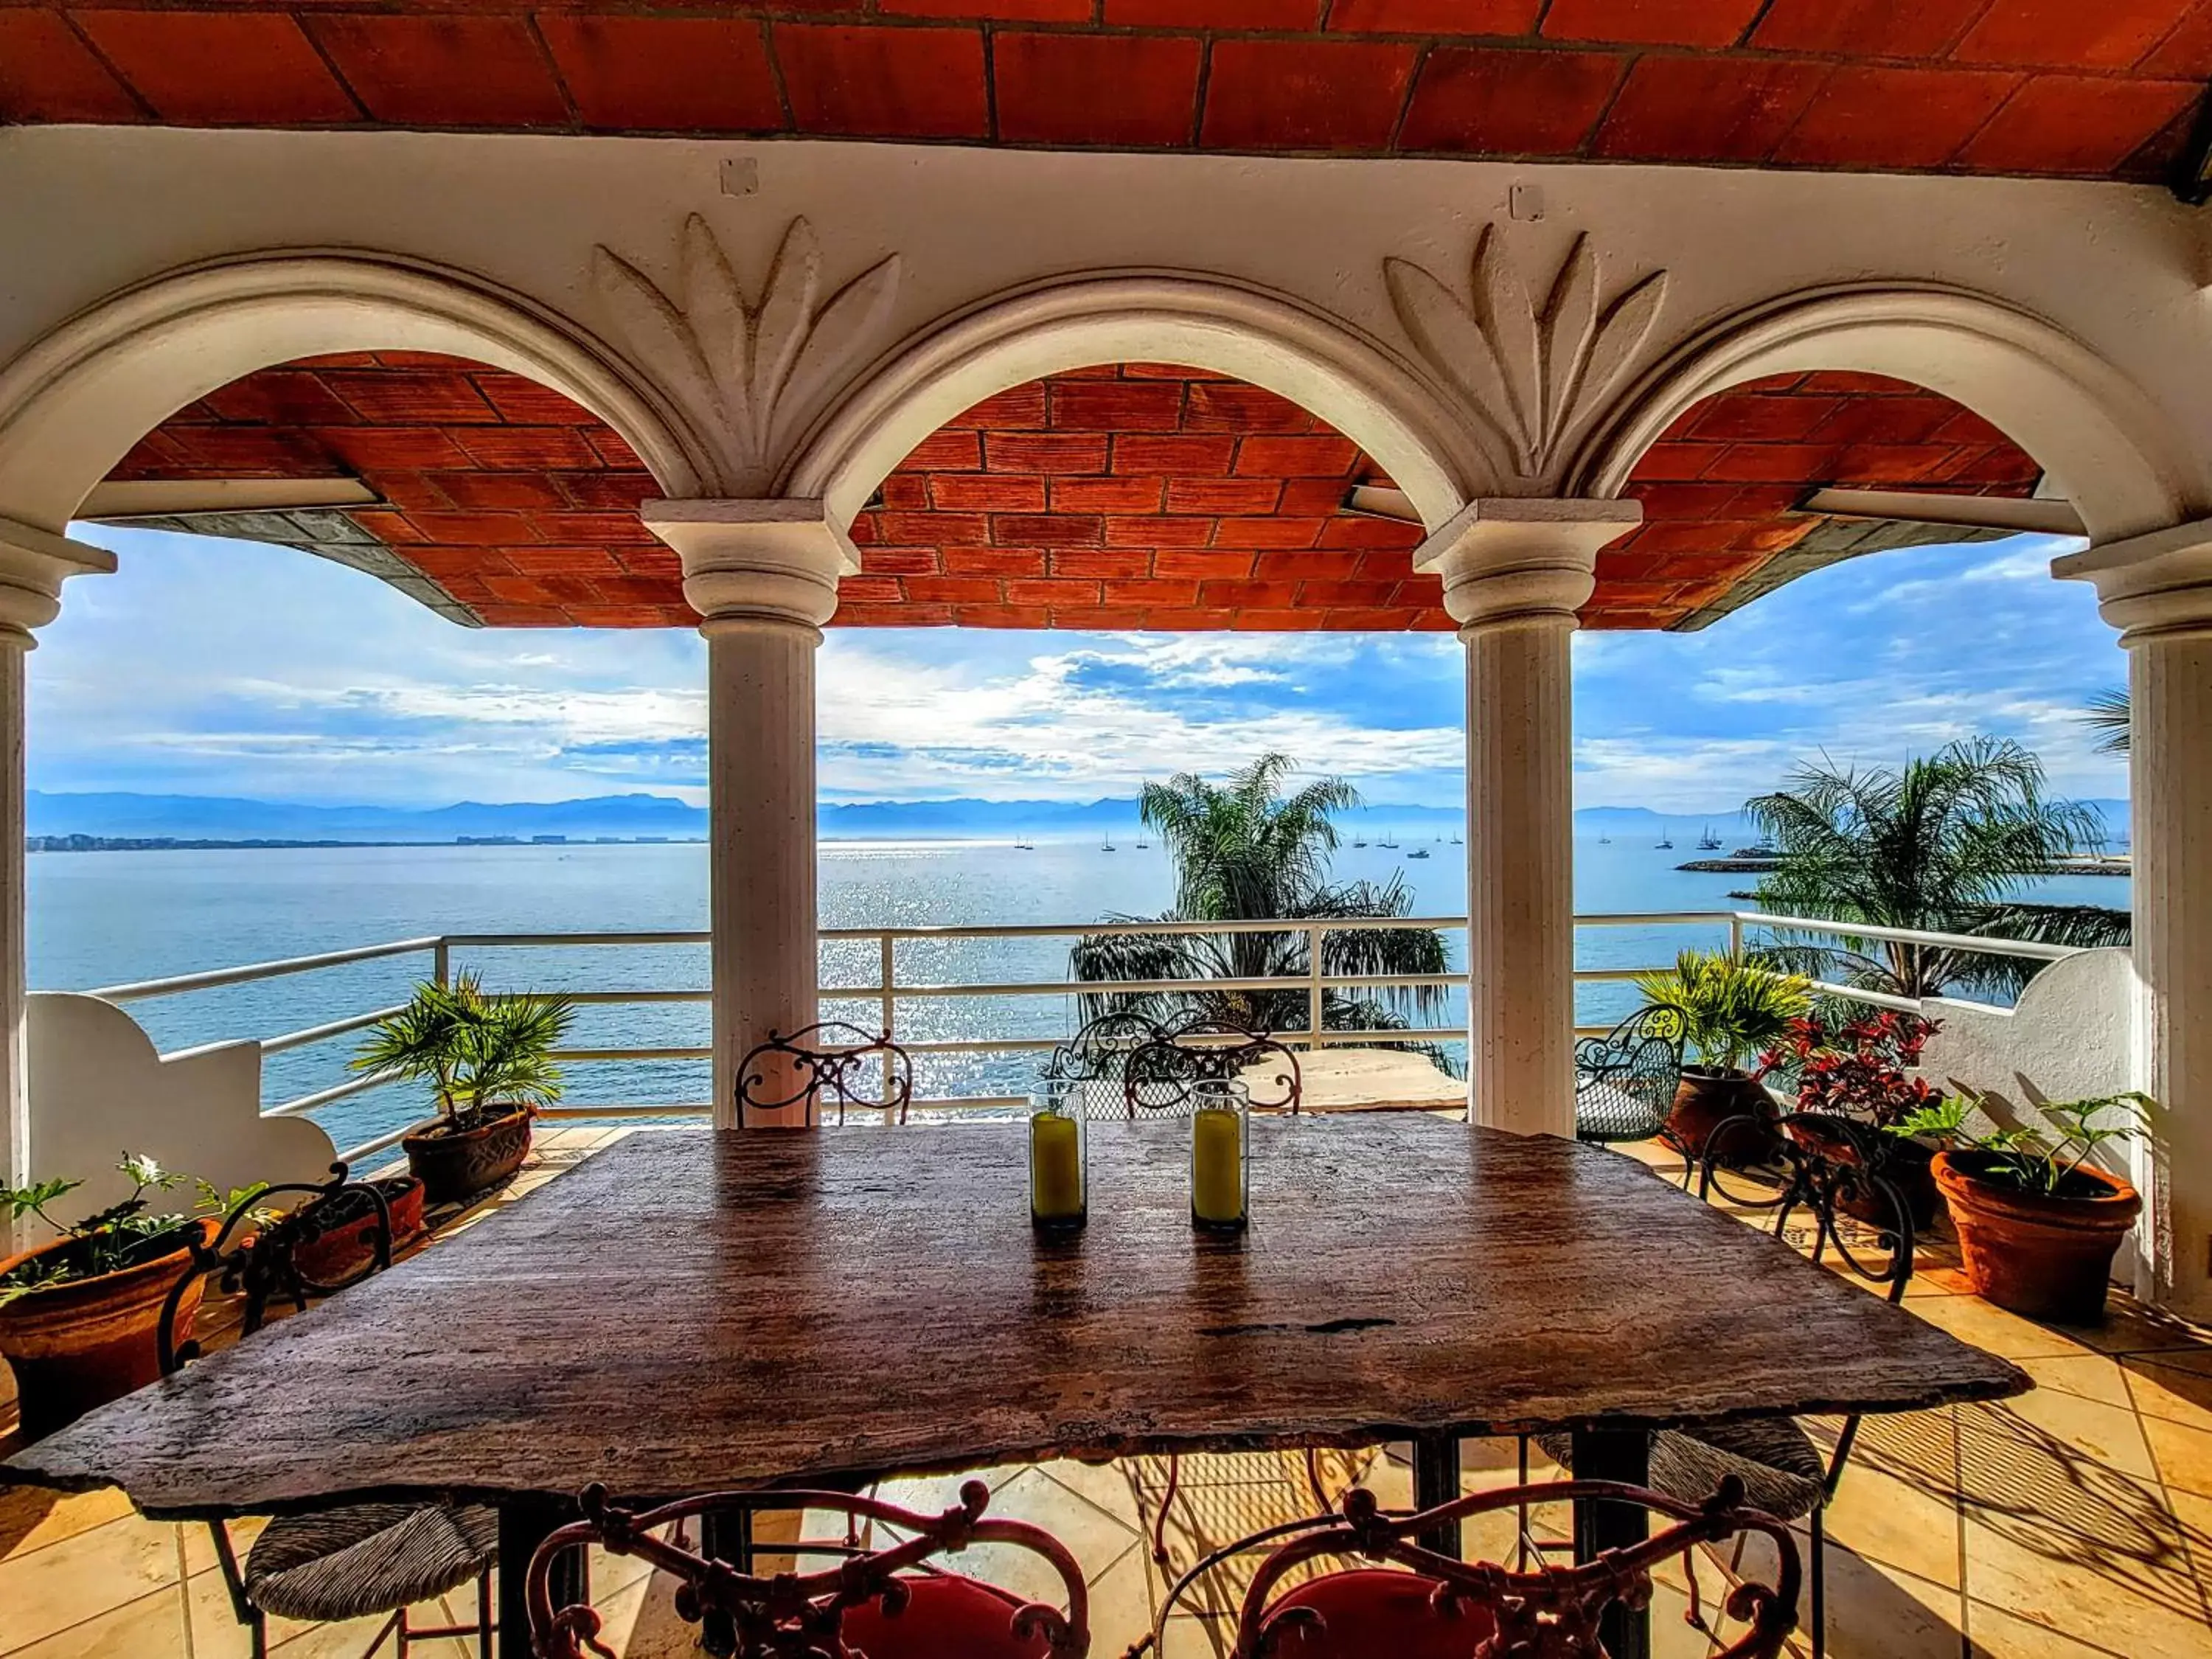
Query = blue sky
x=211 y=667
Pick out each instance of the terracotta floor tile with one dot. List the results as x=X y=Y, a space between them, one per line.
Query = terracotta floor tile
x=1993 y=1634
x=2194 y=1516
x=2129 y=1327
x=1972 y=1320
x=2168 y=1393
x=1879 y=1612
x=151 y=1627
x=2087 y=1376
x=2183 y=1455
x=31 y=1519
x=2066 y=1426
x=1122 y=1603
x=1896 y=1523
x=81 y=1577
x=2080 y=1587
x=1104 y=1485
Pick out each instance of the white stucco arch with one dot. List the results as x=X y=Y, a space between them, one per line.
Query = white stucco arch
x=75 y=402
x=2106 y=445
x=1316 y=362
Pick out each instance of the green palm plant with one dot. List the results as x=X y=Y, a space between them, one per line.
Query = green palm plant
x=475 y=1049
x=1732 y=1010
x=1244 y=850
x=2111 y=715
x=1947 y=843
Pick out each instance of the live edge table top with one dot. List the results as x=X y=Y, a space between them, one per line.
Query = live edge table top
x=687 y=1311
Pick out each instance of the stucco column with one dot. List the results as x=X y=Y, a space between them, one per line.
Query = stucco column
x=34 y=564
x=1515 y=572
x=2157 y=590
x=762 y=575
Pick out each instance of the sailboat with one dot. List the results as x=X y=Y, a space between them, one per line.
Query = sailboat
x=1666 y=842
x=1709 y=842
x=1108 y=846
x=1390 y=842
x=1605 y=841
x=1360 y=843
x=1025 y=846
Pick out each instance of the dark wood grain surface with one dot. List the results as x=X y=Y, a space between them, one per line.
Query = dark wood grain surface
x=685 y=1311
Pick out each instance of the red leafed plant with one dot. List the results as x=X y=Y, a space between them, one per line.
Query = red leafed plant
x=1856 y=1070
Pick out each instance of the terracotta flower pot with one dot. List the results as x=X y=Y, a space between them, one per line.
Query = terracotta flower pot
x=87 y=1341
x=1707 y=1097
x=1904 y=1164
x=454 y=1166
x=2049 y=1258
x=346 y=1246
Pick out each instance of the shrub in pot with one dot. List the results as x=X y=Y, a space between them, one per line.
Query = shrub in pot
x=80 y=1315
x=1732 y=1010
x=487 y=1058
x=1852 y=1093
x=341 y=1235
x=2038 y=1223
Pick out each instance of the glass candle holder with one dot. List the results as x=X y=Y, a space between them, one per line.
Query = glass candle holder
x=1220 y=1156
x=1060 y=1172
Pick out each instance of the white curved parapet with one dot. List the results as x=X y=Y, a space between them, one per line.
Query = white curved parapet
x=98 y=1088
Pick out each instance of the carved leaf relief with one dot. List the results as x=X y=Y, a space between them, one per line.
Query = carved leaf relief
x=737 y=362
x=1533 y=371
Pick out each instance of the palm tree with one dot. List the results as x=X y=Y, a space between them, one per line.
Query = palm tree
x=1946 y=844
x=2111 y=715
x=1244 y=850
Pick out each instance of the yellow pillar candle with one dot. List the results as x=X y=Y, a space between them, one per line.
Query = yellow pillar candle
x=1056 y=1169
x=1217 y=1168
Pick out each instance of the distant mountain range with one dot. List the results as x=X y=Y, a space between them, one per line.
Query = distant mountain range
x=635 y=816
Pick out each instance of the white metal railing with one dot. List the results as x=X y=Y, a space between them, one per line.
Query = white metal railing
x=888 y=991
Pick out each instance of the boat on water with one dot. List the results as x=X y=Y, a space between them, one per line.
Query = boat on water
x=1143 y=846
x=1025 y=846
x=1360 y=843
x=1418 y=852
x=1605 y=841
x=1709 y=842
x=1107 y=845
x=1666 y=841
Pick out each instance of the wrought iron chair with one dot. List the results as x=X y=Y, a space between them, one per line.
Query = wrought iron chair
x=1445 y=1608
x=1625 y=1081
x=886 y=1604
x=1780 y=1465
x=360 y=1559
x=832 y=1057
x=1090 y=1066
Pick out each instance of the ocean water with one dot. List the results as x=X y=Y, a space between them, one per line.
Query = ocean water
x=105 y=918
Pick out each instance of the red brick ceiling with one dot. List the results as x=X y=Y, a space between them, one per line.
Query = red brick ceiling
x=2094 y=87
x=1127 y=497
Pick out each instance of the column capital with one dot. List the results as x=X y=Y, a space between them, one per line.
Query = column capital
x=34 y=564
x=2152 y=586
x=746 y=562
x=1519 y=561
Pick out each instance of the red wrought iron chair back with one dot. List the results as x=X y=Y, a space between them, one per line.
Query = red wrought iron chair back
x=811 y=1614
x=1483 y=1608
x=850 y=1066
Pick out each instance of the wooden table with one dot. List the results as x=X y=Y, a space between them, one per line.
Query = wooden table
x=686 y=1311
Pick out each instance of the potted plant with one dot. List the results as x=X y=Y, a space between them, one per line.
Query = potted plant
x=488 y=1060
x=80 y=1315
x=1732 y=1010
x=2038 y=1223
x=339 y=1230
x=1852 y=1093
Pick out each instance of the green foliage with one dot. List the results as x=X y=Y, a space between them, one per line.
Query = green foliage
x=107 y=1240
x=474 y=1048
x=1245 y=851
x=2031 y=1160
x=1731 y=1011
x=2111 y=715
x=1945 y=844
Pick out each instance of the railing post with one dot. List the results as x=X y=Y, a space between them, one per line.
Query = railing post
x=1314 y=997
x=1735 y=936
x=441 y=962
x=887 y=960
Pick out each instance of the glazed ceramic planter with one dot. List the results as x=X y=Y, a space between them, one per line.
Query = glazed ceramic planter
x=2049 y=1258
x=87 y=1341
x=454 y=1167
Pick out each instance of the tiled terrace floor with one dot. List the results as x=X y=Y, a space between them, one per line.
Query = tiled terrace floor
x=2072 y=1523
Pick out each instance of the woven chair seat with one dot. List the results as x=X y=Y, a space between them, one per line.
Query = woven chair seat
x=367 y=1558
x=1606 y=1111
x=1780 y=1467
